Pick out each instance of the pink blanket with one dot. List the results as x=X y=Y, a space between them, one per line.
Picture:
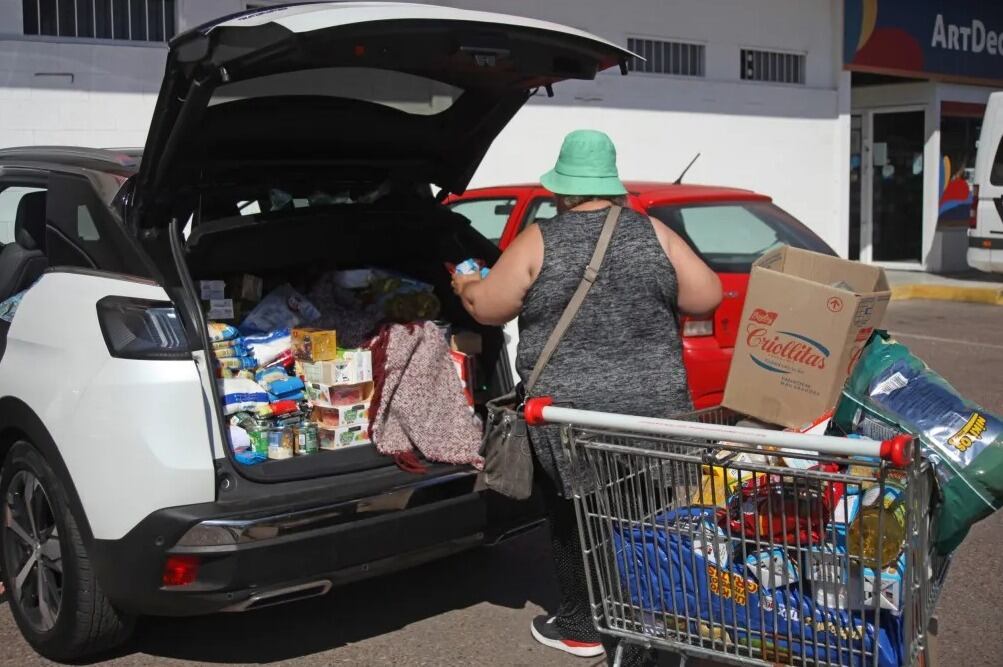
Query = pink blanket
x=419 y=402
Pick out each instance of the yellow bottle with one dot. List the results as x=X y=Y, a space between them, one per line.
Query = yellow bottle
x=879 y=511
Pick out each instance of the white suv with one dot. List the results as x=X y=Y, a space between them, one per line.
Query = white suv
x=120 y=493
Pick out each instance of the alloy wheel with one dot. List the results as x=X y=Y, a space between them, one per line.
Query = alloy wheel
x=32 y=555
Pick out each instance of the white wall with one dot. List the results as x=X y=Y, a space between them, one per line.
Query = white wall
x=786 y=141
x=790 y=142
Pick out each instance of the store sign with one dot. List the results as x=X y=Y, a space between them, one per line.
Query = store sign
x=960 y=40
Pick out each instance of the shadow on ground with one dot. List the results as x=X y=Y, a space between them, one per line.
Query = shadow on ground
x=509 y=575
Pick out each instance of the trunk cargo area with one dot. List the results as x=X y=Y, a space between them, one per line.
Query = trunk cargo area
x=334 y=274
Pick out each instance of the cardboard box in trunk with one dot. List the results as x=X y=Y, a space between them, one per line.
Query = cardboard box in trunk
x=806 y=320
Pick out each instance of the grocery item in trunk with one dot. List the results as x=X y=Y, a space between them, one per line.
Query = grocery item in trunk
x=282 y=308
x=312 y=344
x=240 y=395
x=892 y=390
x=211 y=290
x=338 y=395
x=220 y=309
x=348 y=367
x=218 y=331
x=345 y=436
x=267 y=347
x=344 y=415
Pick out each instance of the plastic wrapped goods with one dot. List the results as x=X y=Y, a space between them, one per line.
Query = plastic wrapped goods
x=282 y=308
x=891 y=389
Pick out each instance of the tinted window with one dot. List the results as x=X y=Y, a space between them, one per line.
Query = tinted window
x=10 y=197
x=487 y=216
x=996 y=175
x=81 y=231
x=731 y=236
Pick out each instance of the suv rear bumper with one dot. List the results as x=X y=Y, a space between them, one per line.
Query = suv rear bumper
x=253 y=559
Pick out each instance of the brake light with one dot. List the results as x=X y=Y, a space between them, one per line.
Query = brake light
x=180 y=570
x=142 y=329
x=973 y=212
x=698 y=328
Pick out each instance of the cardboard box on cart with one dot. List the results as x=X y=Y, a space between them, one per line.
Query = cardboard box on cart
x=807 y=317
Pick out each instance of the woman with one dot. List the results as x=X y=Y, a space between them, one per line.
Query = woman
x=622 y=353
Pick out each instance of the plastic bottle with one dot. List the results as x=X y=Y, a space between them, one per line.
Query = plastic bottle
x=882 y=518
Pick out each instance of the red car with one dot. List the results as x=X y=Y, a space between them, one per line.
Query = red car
x=729 y=228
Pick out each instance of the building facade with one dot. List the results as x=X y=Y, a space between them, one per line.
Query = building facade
x=780 y=96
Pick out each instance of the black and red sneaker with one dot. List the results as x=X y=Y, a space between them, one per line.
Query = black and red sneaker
x=546 y=632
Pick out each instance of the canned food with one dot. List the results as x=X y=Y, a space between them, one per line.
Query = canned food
x=281 y=443
x=306 y=440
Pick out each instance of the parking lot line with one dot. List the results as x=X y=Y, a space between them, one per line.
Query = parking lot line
x=938 y=339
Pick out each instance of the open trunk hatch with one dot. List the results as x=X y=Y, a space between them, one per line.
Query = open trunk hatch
x=415 y=88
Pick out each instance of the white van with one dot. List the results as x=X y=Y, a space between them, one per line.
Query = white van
x=985 y=236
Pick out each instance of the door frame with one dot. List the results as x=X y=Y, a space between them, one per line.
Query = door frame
x=867 y=185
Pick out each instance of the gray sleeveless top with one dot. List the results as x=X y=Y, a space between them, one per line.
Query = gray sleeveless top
x=623 y=351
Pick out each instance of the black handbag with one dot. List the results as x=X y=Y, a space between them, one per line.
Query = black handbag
x=508 y=460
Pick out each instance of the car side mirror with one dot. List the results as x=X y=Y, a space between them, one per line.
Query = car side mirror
x=504 y=209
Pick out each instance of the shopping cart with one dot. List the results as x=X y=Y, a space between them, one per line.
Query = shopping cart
x=738 y=545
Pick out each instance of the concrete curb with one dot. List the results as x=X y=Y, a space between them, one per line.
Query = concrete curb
x=986 y=295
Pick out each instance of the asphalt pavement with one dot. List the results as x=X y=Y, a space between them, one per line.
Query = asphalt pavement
x=475 y=608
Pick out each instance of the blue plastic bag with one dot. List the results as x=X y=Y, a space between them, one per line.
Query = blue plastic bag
x=665 y=573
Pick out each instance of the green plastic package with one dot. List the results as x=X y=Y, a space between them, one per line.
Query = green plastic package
x=892 y=390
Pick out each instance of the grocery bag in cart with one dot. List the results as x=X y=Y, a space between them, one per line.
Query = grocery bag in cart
x=669 y=573
x=783 y=572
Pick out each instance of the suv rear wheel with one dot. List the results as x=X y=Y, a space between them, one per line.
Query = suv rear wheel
x=54 y=597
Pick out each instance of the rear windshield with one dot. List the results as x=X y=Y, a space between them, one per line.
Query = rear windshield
x=730 y=236
x=398 y=90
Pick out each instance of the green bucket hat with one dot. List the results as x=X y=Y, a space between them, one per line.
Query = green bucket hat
x=586 y=166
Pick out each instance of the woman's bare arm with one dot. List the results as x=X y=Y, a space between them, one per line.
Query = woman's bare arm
x=498 y=298
x=699 y=286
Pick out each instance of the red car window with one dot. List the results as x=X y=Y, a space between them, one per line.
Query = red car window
x=488 y=215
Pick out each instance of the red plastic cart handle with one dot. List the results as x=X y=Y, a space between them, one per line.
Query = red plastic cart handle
x=898 y=450
x=533 y=410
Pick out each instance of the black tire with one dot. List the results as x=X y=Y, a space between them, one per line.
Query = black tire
x=84 y=623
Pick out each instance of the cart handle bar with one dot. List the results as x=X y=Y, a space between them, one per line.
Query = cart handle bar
x=897 y=450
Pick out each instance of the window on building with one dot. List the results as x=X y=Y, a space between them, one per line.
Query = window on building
x=130 y=20
x=773 y=66
x=662 y=57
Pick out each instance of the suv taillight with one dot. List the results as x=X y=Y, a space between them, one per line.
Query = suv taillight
x=973 y=212
x=142 y=329
x=697 y=328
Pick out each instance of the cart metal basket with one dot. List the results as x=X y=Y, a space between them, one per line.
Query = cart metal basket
x=748 y=546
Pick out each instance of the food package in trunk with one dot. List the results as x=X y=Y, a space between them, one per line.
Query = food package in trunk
x=800 y=333
x=348 y=367
x=891 y=391
x=344 y=436
x=310 y=344
x=212 y=290
x=248 y=288
x=221 y=309
x=464 y=365
x=341 y=415
x=337 y=395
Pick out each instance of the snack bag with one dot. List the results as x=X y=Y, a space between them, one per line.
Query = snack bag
x=469 y=267
x=282 y=308
x=892 y=390
x=219 y=332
